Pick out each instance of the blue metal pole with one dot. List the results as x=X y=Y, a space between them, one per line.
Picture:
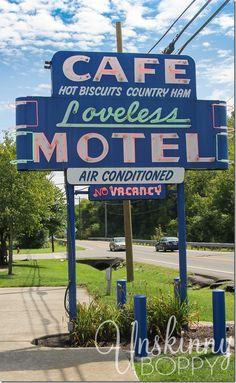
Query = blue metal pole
x=219 y=322
x=140 y=316
x=182 y=242
x=71 y=250
x=121 y=292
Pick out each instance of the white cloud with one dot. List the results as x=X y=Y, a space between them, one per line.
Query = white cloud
x=100 y=6
x=225 y=21
x=7 y=105
x=61 y=23
x=224 y=53
x=5 y=6
x=219 y=73
x=206 y=44
x=208 y=31
x=44 y=86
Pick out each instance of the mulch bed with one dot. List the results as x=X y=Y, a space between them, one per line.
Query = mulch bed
x=200 y=332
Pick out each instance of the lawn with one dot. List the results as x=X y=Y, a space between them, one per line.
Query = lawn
x=57 y=249
x=186 y=368
x=149 y=280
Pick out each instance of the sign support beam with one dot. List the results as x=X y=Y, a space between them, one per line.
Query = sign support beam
x=126 y=204
x=182 y=242
x=71 y=250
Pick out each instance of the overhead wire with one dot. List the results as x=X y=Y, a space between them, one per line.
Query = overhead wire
x=203 y=26
x=171 y=47
x=154 y=46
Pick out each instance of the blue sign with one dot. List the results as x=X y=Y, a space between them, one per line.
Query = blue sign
x=110 y=192
x=118 y=110
x=53 y=133
x=123 y=76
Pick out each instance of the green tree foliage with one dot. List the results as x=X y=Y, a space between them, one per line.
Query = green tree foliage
x=56 y=222
x=26 y=199
x=35 y=240
x=88 y=219
x=210 y=201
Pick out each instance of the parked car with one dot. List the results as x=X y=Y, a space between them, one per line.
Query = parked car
x=117 y=243
x=167 y=243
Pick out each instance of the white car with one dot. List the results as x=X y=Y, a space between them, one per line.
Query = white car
x=117 y=243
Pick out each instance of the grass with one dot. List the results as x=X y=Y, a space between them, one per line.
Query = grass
x=57 y=249
x=186 y=368
x=149 y=280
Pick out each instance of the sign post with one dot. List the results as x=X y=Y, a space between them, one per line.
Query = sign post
x=126 y=203
x=71 y=250
x=182 y=242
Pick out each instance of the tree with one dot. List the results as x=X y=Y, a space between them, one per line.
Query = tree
x=87 y=220
x=57 y=216
x=25 y=200
x=210 y=201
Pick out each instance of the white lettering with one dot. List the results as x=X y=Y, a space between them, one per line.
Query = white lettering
x=140 y=70
x=171 y=71
x=59 y=142
x=128 y=144
x=116 y=69
x=192 y=149
x=83 y=150
x=158 y=147
x=68 y=68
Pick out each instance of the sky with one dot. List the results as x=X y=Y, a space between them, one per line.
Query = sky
x=31 y=31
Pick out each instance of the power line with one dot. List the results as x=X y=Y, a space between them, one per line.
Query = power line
x=171 y=26
x=203 y=26
x=171 y=47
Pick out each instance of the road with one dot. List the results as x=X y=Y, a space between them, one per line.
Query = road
x=211 y=263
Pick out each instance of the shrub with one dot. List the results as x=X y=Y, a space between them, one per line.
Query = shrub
x=35 y=240
x=90 y=317
x=159 y=310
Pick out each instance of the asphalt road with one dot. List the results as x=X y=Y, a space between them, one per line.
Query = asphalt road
x=210 y=263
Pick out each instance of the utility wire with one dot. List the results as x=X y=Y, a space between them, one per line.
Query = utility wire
x=171 y=47
x=171 y=26
x=203 y=26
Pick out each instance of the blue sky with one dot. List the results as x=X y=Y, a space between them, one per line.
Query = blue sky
x=31 y=31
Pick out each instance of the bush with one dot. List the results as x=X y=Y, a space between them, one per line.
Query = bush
x=35 y=240
x=90 y=318
x=159 y=310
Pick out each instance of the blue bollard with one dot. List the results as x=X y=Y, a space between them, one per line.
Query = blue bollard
x=219 y=323
x=140 y=329
x=177 y=287
x=121 y=292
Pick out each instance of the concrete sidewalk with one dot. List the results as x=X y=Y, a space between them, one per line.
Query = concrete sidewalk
x=32 y=312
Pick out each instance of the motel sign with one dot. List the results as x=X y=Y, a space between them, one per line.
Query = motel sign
x=121 y=111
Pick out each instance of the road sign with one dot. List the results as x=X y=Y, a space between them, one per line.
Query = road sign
x=130 y=191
